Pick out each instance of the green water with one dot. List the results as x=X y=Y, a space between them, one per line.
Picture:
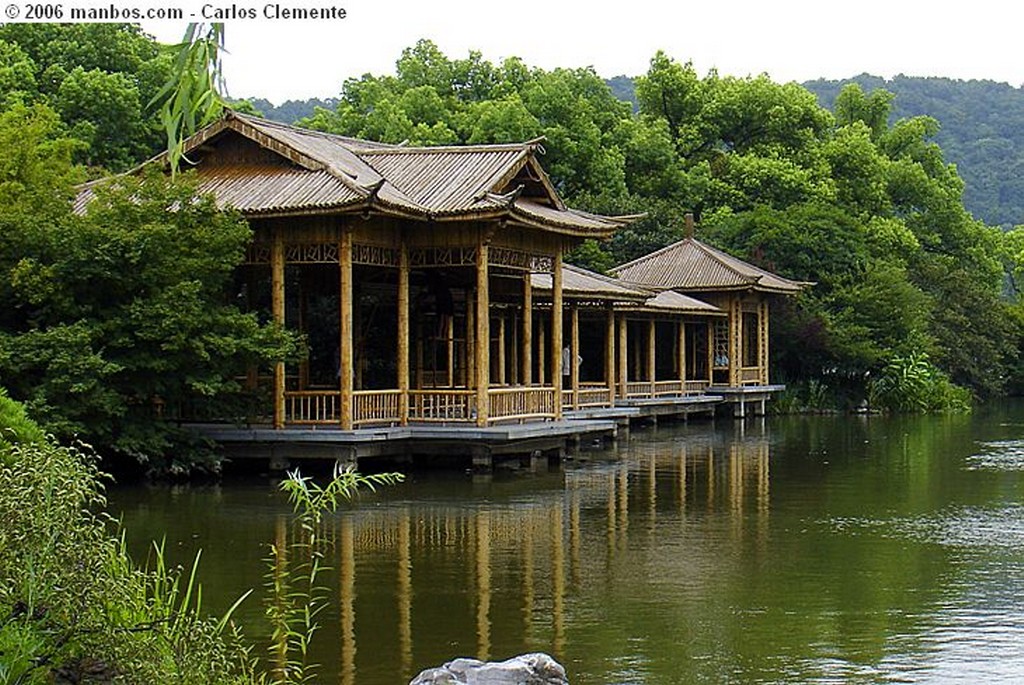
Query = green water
x=792 y=550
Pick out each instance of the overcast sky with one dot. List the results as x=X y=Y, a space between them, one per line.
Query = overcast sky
x=791 y=40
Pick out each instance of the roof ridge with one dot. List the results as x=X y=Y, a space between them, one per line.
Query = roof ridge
x=649 y=255
x=431 y=149
x=726 y=260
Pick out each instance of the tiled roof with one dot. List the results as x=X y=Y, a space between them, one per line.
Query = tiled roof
x=691 y=265
x=318 y=172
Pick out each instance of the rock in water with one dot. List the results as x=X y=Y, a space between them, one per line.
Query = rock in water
x=528 y=669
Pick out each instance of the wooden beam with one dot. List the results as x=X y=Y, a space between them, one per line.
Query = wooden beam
x=277 y=309
x=345 y=328
x=556 y=331
x=527 y=345
x=483 y=333
x=403 y=333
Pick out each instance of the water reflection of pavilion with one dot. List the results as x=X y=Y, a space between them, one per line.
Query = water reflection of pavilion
x=522 y=561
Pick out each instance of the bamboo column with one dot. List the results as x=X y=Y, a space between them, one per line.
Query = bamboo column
x=470 y=340
x=483 y=334
x=652 y=346
x=501 y=348
x=681 y=352
x=541 y=351
x=762 y=347
x=277 y=307
x=345 y=328
x=403 y=334
x=449 y=341
x=574 y=354
x=735 y=341
x=711 y=351
x=623 y=357
x=609 y=354
x=556 y=330
x=526 y=357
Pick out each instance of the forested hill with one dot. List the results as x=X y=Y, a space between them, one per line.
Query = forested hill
x=981 y=131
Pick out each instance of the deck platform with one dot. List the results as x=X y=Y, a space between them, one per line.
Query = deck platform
x=480 y=445
x=747 y=400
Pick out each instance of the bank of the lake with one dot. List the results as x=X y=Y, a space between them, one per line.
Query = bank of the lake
x=788 y=549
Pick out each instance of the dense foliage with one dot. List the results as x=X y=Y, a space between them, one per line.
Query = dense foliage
x=866 y=208
x=119 y=314
x=99 y=79
x=981 y=130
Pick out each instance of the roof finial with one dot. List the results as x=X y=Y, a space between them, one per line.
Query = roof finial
x=688 y=223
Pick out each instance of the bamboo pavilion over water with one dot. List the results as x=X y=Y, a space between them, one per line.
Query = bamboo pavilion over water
x=430 y=285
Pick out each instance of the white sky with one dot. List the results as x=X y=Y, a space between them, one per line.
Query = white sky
x=788 y=39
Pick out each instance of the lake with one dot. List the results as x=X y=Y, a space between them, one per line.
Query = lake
x=780 y=550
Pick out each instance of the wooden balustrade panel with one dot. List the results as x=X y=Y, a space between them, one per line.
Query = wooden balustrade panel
x=750 y=375
x=312 y=407
x=696 y=387
x=594 y=396
x=641 y=389
x=375 y=406
x=513 y=403
x=442 y=405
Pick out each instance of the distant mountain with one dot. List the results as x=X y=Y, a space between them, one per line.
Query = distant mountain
x=292 y=110
x=982 y=132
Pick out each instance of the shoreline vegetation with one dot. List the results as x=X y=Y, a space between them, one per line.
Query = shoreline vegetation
x=74 y=606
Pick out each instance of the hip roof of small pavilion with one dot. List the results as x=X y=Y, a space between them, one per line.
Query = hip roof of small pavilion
x=691 y=265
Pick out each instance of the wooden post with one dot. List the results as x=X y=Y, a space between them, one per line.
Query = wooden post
x=710 y=332
x=623 y=357
x=483 y=334
x=345 y=328
x=762 y=347
x=542 y=337
x=527 y=354
x=556 y=330
x=652 y=346
x=574 y=354
x=449 y=340
x=735 y=341
x=609 y=354
x=470 y=340
x=419 y=354
x=403 y=334
x=681 y=352
x=501 y=348
x=277 y=308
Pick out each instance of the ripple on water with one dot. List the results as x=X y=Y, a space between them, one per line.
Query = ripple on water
x=968 y=527
x=999 y=455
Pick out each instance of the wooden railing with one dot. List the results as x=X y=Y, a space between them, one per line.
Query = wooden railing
x=522 y=403
x=697 y=387
x=312 y=407
x=676 y=388
x=442 y=405
x=589 y=395
x=375 y=406
x=750 y=375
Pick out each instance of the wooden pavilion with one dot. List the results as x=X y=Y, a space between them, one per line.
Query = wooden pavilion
x=738 y=343
x=409 y=269
x=430 y=286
